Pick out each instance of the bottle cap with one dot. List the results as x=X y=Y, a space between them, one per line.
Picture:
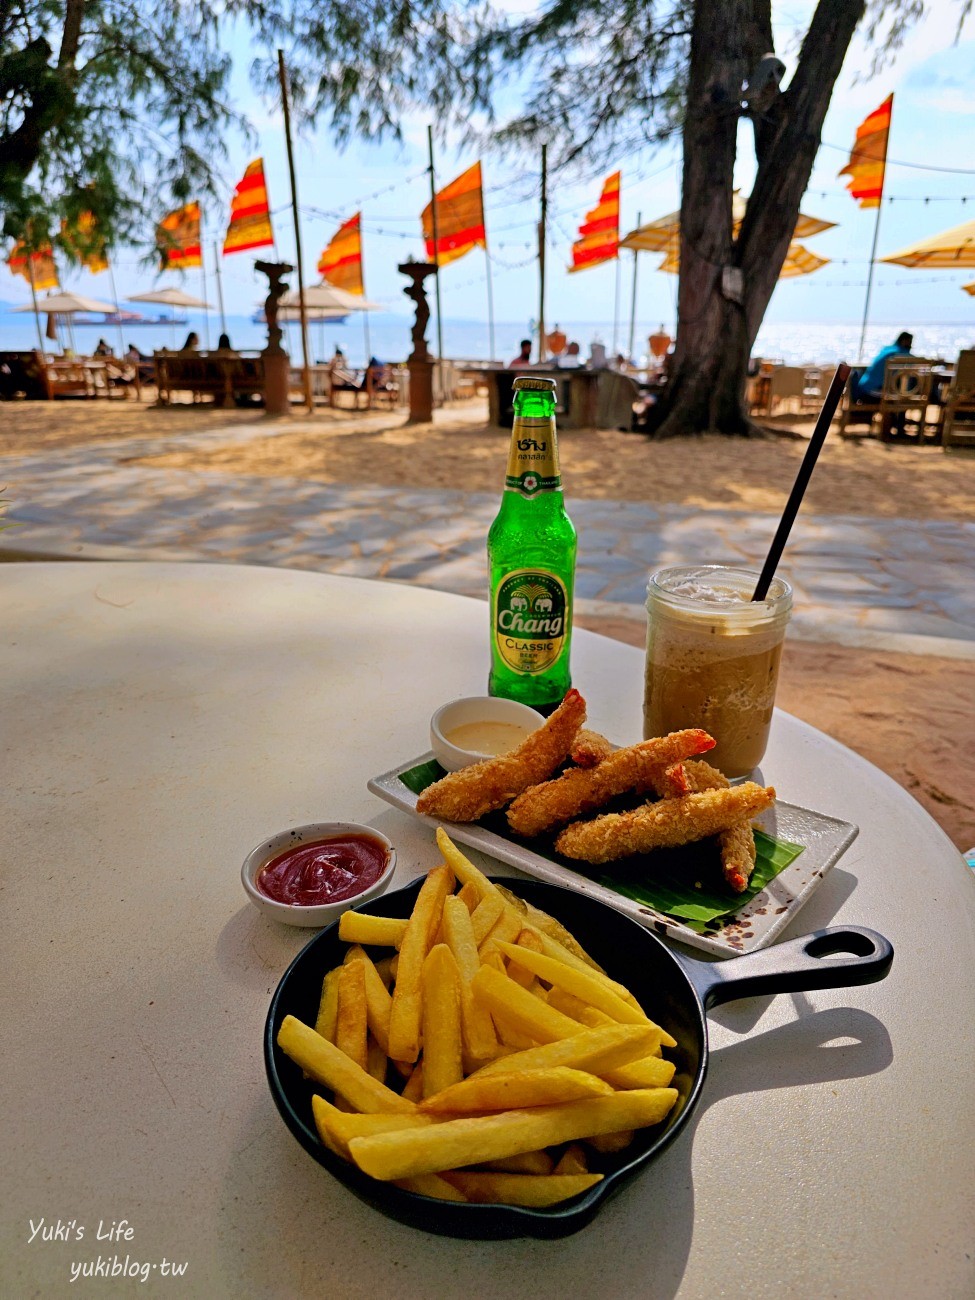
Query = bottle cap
x=531 y=382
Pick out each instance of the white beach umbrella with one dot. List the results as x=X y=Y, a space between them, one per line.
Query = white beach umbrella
x=324 y=302
x=64 y=303
x=169 y=298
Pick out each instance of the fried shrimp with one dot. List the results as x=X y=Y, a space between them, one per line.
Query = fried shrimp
x=590 y=748
x=466 y=795
x=663 y=825
x=580 y=790
x=737 y=844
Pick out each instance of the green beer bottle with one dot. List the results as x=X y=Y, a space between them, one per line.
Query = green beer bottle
x=532 y=558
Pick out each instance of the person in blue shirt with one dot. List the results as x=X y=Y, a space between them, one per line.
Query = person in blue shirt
x=871 y=382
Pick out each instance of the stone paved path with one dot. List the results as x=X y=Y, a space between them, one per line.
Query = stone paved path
x=888 y=583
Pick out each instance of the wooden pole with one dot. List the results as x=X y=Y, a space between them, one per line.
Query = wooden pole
x=203 y=281
x=118 y=310
x=541 y=256
x=876 y=235
x=436 y=254
x=33 y=294
x=616 y=308
x=306 y=364
x=223 y=315
x=636 y=254
x=490 y=301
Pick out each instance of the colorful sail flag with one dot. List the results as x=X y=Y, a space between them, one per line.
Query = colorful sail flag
x=37 y=268
x=85 y=242
x=341 y=262
x=868 y=158
x=250 y=213
x=178 y=239
x=460 y=218
x=599 y=234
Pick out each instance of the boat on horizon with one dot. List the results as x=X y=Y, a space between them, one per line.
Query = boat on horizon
x=128 y=318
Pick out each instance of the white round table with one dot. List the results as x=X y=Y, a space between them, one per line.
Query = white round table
x=161 y=719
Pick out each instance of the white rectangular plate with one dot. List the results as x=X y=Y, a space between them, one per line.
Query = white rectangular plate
x=759 y=922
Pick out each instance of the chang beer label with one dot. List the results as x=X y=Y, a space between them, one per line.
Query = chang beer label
x=533 y=457
x=530 y=616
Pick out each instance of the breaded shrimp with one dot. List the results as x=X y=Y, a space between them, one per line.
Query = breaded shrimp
x=590 y=748
x=663 y=825
x=581 y=790
x=466 y=795
x=737 y=844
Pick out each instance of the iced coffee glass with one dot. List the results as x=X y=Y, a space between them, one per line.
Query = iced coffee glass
x=713 y=658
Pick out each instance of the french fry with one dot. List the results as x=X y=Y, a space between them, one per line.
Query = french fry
x=509 y=1003
x=583 y=984
x=351 y=1023
x=520 y=974
x=572 y=1006
x=413 y=1088
x=328 y=1007
x=329 y=1066
x=380 y=931
x=610 y=1143
x=379 y=1004
x=376 y=1060
x=404 y=1018
x=529 y=1162
x=515 y=1090
x=536 y=1190
x=480 y=1040
x=474 y=1140
x=336 y=1127
x=505 y=929
x=651 y=1072
x=431 y=1185
x=468 y=895
x=593 y=1050
x=463 y=868
x=485 y=916
x=573 y=1160
x=442 y=1062
x=552 y=948
x=384 y=969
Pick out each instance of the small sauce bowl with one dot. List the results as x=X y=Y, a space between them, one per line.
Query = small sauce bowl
x=472 y=711
x=316 y=915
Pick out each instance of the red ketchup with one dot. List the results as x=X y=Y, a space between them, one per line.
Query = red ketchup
x=326 y=871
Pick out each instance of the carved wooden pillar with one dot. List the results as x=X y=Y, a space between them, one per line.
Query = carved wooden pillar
x=276 y=360
x=419 y=362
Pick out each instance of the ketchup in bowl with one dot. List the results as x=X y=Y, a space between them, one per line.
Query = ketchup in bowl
x=325 y=871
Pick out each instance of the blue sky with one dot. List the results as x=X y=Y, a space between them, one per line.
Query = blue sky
x=933 y=128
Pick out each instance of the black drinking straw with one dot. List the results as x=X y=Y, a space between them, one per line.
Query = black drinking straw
x=802 y=480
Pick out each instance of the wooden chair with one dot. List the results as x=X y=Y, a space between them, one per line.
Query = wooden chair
x=958 y=417
x=787 y=385
x=856 y=410
x=907 y=389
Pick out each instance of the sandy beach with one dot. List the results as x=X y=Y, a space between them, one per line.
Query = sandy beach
x=911 y=714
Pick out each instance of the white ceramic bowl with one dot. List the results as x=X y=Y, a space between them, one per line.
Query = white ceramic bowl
x=322 y=914
x=475 y=708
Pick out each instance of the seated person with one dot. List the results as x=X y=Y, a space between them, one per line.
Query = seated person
x=225 y=346
x=377 y=377
x=870 y=384
x=524 y=357
x=102 y=349
x=571 y=358
x=192 y=343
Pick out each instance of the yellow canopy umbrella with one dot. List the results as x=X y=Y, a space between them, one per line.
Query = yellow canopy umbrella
x=662 y=235
x=798 y=261
x=970 y=288
x=954 y=248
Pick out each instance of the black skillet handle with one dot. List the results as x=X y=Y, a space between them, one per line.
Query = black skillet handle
x=794 y=966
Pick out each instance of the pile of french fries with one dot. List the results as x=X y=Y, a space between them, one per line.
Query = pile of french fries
x=512 y=1056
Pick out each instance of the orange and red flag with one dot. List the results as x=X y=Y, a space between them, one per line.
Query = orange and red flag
x=341 y=262
x=86 y=242
x=868 y=158
x=178 y=238
x=460 y=218
x=599 y=234
x=37 y=267
x=250 y=213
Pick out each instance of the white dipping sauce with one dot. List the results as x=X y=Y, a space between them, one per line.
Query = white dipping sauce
x=486 y=737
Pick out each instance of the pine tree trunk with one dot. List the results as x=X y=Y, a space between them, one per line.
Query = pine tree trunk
x=726 y=283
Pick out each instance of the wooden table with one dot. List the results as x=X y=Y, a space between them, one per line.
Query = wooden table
x=160 y=720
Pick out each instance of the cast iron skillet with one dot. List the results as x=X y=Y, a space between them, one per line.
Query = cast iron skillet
x=673 y=989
